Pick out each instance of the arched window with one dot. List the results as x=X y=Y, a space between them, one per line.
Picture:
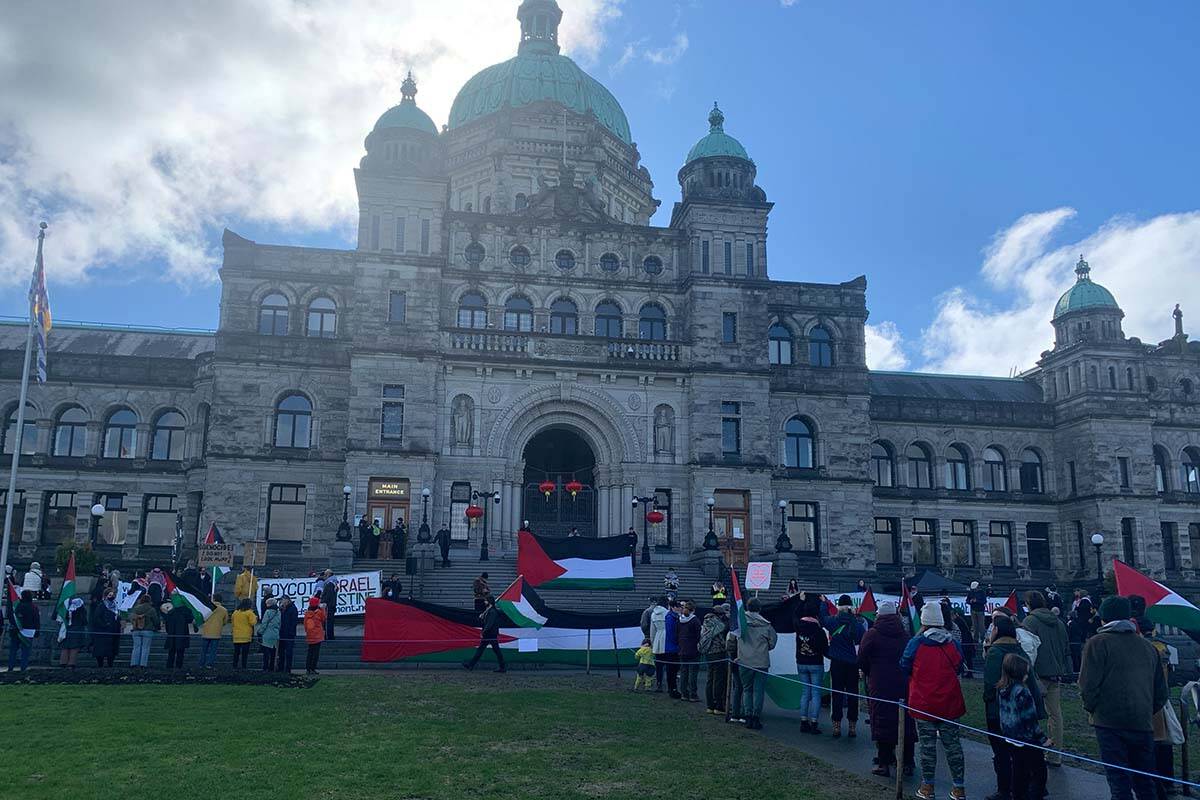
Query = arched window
x=487 y=205
x=293 y=422
x=520 y=202
x=958 y=468
x=608 y=319
x=1032 y=475
x=779 y=344
x=1162 y=470
x=797 y=444
x=920 y=466
x=28 y=438
x=120 y=434
x=652 y=323
x=882 y=468
x=519 y=257
x=1191 y=470
x=1112 y=377
x=473 y=254
x=472 y=311
x=322 y=318
x=1185 y=386
x=167 y=443
x=70 y=433
x=564 y=317
x=610 y=262
x=1129 y=378
x=518 y=314
x=995 y=471
x=273 y=315
x=820 y=347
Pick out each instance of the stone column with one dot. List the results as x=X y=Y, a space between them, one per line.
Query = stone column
x=602 y=515
x=626 y=507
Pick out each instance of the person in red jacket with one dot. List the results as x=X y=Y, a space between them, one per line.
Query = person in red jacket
x=314 y=633
x=933 y=661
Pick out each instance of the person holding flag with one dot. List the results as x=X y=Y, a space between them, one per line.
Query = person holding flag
x=756 y=639
x=24 y=621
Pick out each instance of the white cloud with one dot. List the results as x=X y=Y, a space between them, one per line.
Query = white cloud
x=136 y=128
x=671 y=53
x=885 y=347
x=1148 y=265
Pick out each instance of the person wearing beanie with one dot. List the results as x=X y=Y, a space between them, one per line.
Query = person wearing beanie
x=845 y=634
x=1122 y=685
x=812 y=646
x=933 y=661
x=314 y=634
x=879 y=659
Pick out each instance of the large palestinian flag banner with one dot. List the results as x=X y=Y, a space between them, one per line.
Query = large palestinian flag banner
x=576 y=562
x=418 y=631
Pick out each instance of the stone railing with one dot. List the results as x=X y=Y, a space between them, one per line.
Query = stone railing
x=593 y=349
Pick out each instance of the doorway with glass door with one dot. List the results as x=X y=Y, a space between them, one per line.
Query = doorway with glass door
x=387 y=504
x=731 y=522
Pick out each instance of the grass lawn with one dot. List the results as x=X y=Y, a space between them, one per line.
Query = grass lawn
x=428 y=736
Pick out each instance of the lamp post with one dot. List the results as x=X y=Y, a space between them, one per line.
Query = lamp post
x=483 y=542
x=645 y=537
x=423 y=534
x=97 y=515
x=711 y=542
x=1098 y=542
x=783 y=543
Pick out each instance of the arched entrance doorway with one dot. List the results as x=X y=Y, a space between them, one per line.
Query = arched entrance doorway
x=560 y=455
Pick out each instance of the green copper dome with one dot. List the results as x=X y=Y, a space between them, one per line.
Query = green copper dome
x=1084 y=294
x=717 y=142
x=538 y=74
x=407 y=115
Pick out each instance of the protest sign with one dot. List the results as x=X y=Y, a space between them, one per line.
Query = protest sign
x=353 y=590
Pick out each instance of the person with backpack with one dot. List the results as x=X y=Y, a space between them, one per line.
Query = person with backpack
x=712 y=646
x=933 y=662
x=845 y=634
x=1019 y=722
x=210 y=633
x=145 y=620
x=1004 y=643
x=812 y=644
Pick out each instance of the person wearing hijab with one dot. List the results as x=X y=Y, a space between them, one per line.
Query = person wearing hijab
x=105 y=627
x=77 y=633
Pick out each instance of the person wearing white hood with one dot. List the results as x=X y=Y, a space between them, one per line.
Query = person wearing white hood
x=658 y=641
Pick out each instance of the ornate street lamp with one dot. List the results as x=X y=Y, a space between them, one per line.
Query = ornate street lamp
x=423 y=533
x=97 y=515
x=481 y=511
x=783 y=544
x=343 y=531
x=711 y=542
x=645 y=538
x=1098 y=542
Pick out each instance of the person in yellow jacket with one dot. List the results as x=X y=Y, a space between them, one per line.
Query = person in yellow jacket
x=645 y=667
x=210 y=633
x=244 y=620
x=246 y=585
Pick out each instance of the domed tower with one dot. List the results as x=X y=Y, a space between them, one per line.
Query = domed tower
x=401 y=189
x=1087 y=312
x=723 y=209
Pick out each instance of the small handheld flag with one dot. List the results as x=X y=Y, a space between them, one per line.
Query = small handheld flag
x=867 y=607
x=737 y=620
x=214 y=535
x=61 y=611
x=182 y=594
x=521 y=604
x=907 y=607
x=1012 y=604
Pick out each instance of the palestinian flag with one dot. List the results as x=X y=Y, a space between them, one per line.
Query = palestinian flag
x=214 y=535
x=61 y=612
x=193 y=598
x=521 y=605
x=1013 y=604
x=737 y=620
x=11 y=598
x=412 y=630
x=867 y=607
x=218 y=572
x=1163 y=606
x=575 y=562
x=907 y=608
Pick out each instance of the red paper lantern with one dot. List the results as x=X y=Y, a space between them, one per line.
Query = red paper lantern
x=474 y=512
x=574 y=487
x=654 y=517
x=546 y=487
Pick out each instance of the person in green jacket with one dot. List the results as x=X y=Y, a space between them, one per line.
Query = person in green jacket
x=1003 y=642
x=145 y=620
x=1053 y=664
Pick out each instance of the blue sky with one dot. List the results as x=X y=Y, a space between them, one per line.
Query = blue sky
x=906 y=142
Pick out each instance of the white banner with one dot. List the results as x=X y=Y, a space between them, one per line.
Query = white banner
x=957 y=601
x=353 y=590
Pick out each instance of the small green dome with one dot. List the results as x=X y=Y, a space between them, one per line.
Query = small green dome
x=717 y=142
x=1084 y=294
x=407 y=115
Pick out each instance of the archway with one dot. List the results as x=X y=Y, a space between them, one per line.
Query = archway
x=560 y=455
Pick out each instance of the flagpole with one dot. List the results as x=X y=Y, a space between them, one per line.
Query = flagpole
x=16 y=454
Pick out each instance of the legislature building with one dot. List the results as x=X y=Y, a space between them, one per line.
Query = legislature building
x=511 y=324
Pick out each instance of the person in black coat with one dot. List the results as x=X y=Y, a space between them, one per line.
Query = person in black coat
x=399 y=540
x=443 y=543
x=489 y=635
x=329 y=596
x=179 y=631
x=289 y=618
x=364 y=537
x=105 y=627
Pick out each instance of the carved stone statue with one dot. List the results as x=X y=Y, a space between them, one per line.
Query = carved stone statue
x=462 y=421
x=664 y=430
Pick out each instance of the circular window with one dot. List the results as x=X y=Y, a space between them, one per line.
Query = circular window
x=610 y=262
x=474 y=254
x=653 y=265
x=519 y=256
x=565 y=259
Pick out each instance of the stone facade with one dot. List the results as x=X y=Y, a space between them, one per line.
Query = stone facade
x=506 y=283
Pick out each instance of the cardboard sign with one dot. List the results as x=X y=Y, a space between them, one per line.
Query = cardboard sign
x=216 y=555
x=254 y=554
x=758 y=575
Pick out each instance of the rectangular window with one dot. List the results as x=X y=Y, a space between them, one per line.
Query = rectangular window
x=731 y=428
x=885 y=540
x=400 y=222
x=924 y=542
x=391 y=426
x=375 y=232
x=1037 y=540
x=1082 y=543
x=1127 y=548
x=750 y=259
x=1123 y=469
x=704 y=257
x=728 y=327
x=158 y=520
x=285 y=513
x=398 y=307
x=110 y=528
x=1170 y=563
x=424 y=237
x=1194 y=541
x=18 y=517
x=662 y=503
x=460 y=498
x=58 y=518
x=1000 y=543
x=801 y=523
x=1071 y=478
x=729 y=258
x=962 y=542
